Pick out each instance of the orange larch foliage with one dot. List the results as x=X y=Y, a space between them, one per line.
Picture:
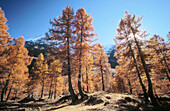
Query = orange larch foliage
x=84 y=33
x=101 y=66
x=14 y=60
x=62 y=34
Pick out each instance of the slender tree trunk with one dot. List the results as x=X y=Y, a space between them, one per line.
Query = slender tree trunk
x=16 y=94
x=101 y=68
x=140 y=79
x=124 y=89
x=167 y=72
x=80 y=65
x=73 y=95
x=50 y=89
x=82 y=78
x=130 y=86
x=4 y=89
x=87 y=80
x=55 y=93
x=150 y=89
x=164 y=59
x=42 y=90
x=51 y=95
x=55 y=90
x=167 y=69
x=79 y=78
x=9 y=93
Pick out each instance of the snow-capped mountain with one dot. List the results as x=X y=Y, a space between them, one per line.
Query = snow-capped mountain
x=39 y=39
x=108 y=48
x=39 y=45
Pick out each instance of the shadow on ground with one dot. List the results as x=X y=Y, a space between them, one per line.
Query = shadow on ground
x=100 y=101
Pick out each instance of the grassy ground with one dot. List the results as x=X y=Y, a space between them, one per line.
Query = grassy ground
x=100 y=101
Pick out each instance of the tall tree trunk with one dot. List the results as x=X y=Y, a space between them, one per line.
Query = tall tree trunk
x=130 y=86
x=167 y=69
x=16 y=94
x=150 y=89
x=79 y=80
x=164 y=59
x=9 y=93
x=87 y=80
x=73 y=95
x=80 y=65
x=42 y=90
x=51 y=95
x=167 y=72
x=55 y=90
x=101 y=69
x=4 y=89
x=55 y=93
x=79 y=76
x=50 y=89
x=137 y=69
x=82 y=78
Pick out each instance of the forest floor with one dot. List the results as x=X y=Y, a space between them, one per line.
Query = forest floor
x=99 y=101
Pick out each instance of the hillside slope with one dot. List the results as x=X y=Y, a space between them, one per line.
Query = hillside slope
x=98 y=101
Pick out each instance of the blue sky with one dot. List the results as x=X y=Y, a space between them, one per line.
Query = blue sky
x=30 y=18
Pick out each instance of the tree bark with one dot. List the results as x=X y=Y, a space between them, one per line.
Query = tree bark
x=137 y=69
x=130 y=86
x=55 y=94
x=167 y=69
x=87 y=80
x=50 y=89
x=55 y=90
x=79 y=76
x=42 y=90
x=101 y=68
x=164 y=59
x=167 y=72
x=9 y=93
x=16 y=94
x=73 y=95
x=150 y=89
x=4 y=89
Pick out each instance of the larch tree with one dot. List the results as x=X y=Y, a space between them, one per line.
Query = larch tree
x=102 y=67
x=20 y=72
x=40 y=70
x=18 y=60
x=4 y=35
x=124 y=45
x=84 y=33
x=4 y=47
x=62 y=33
x=87 y=61
x=14 y=60
x=55 y=78
x=157 y=51
x=137 y=34
x=128 y=74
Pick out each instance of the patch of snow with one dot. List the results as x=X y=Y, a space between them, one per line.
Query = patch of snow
x=36 y=38
x=108 y=48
